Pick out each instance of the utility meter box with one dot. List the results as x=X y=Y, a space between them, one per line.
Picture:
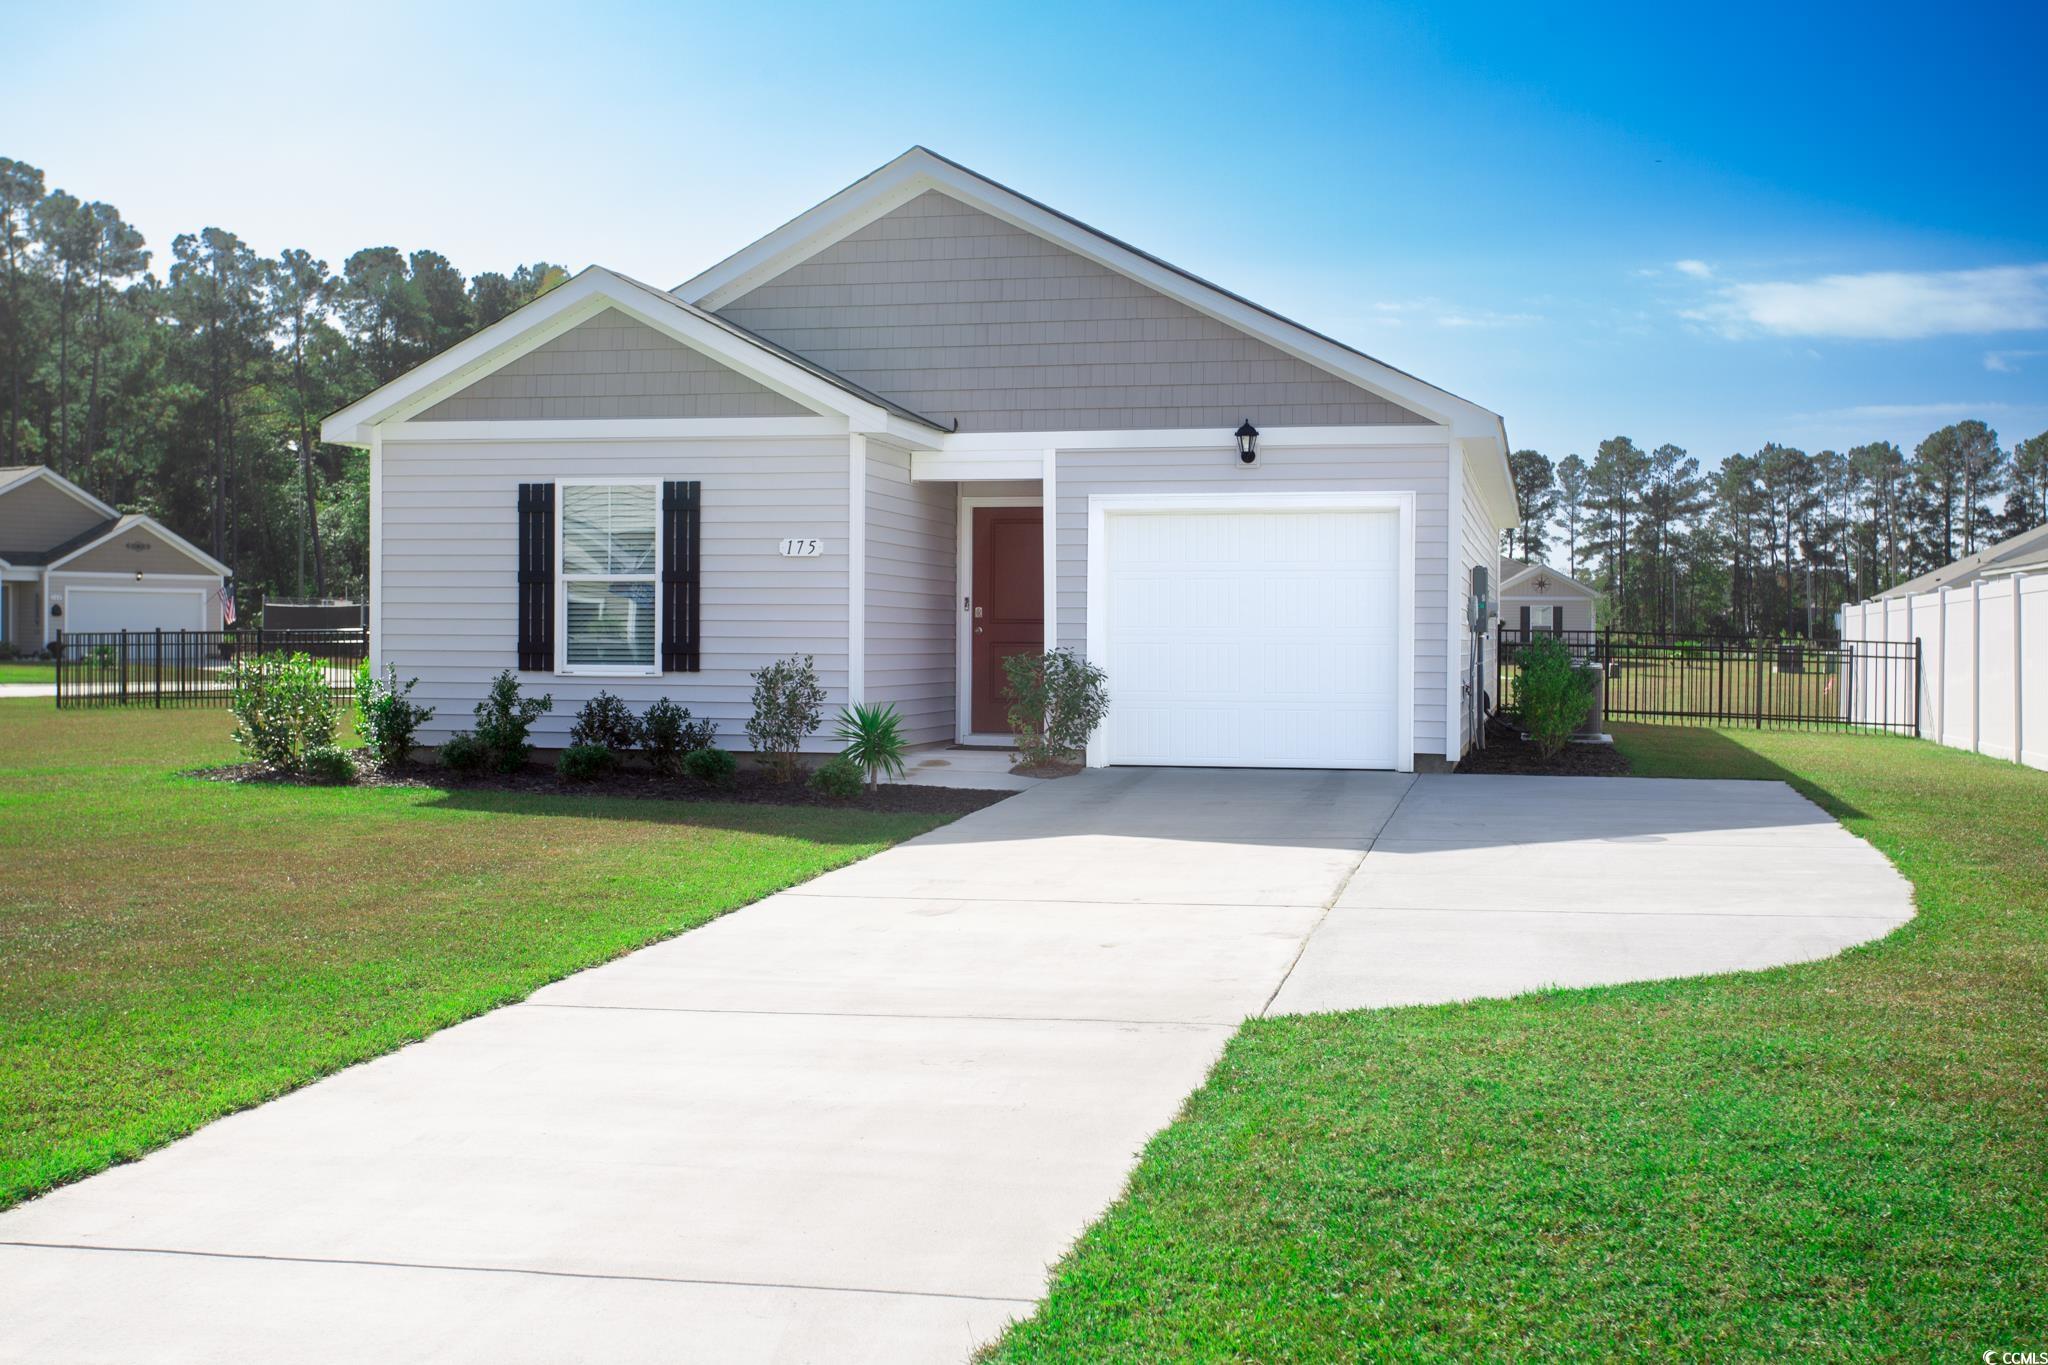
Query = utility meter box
x=1481 y=598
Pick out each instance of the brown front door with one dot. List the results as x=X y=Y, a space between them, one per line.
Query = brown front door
x=1006 y=608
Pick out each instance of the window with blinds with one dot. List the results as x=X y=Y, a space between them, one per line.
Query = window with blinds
x=610 y=558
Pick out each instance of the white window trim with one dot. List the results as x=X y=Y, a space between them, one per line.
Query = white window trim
x=963 y=617
x=1102 y=506
x=563 y=578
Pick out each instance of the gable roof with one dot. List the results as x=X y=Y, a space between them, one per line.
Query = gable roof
x=592 y=291
x=920 y=169
x=107 y=530
x=16 y=477
x=1525 y=576
x=2011 y=555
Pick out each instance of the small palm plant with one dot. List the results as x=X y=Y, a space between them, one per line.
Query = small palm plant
x=873 y=735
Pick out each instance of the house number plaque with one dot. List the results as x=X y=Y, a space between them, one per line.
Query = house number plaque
x=802 y=547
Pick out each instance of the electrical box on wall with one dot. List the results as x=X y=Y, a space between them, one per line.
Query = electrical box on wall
x=1481 y=598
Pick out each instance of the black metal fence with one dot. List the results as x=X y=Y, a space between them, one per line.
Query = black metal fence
x=189 y=667
x=1736 y=680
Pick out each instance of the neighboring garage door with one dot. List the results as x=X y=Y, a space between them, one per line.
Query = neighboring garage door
x=1253 y=638
x=92 y=609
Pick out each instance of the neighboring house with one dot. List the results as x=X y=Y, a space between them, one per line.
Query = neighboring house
x=1538 y=597
x=69 y=562
x=923 y=426
x=2026 y=552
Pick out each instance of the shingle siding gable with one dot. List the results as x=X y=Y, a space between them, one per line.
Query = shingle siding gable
x=611 y=366
x=955 y=313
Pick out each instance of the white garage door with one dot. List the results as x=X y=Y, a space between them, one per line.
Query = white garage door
x=90 y=609
x=1253 y=638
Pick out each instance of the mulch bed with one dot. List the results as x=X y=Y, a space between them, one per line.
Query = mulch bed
x=1507 y=752
x=749 y=787
x=1052 y=767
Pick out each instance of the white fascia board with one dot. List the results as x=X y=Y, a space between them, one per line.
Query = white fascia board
x=1021 y=454
x=125 y=525
x=63 y=485
x=561 y=309
x=1486 y=462
x=917 y=170
x=1187 y=438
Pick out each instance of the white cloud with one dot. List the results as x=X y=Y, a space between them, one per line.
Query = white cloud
x=1890 y=305
x=1699 y=270
x=2007 y=362
x=1481 y=317
x=1923 y=412
x=1443 y=314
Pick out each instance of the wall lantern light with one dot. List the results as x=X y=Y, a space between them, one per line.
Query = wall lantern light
x=1248 y=443
x=138 y=575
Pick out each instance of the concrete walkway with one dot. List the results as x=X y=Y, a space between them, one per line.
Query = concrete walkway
x=857 y=1120
x=27 y=690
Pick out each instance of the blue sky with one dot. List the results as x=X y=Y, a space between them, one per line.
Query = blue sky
x=1714 y=226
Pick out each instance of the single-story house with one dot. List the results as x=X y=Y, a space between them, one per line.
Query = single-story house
x=1538 y=597
x=2026 y=552
x=69 y=562
x=925 y=425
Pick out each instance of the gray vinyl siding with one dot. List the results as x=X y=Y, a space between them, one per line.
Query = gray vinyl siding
x=955 y=313
x=611 y=366
x=449 y=594
x=36 y=514
x=1480 y=537
x=911 y=647
x=1578 y=611
x=1418 y=469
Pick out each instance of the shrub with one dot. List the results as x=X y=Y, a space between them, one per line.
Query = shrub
x=715 y=766
x=328 y=763
x=873 y=733
x=282 y=709
x=465 y=753
x=839 y=777
x=503 y=721
x=1057 y=699
x=1553 y=695
x=585 y=762
x=668 y=735
x=788 y=706
x=385 y=716
x=607 y=721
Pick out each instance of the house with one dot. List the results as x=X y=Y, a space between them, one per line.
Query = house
x=925 y=425
x=69 y=562
x=1538 y=597
x=2026 y=552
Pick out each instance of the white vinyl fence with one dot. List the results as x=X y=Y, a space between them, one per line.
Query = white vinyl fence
x=1984 y=665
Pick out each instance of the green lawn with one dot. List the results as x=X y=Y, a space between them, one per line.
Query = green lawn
x=172 y=950
x=17 y=671
x=1847 y=1159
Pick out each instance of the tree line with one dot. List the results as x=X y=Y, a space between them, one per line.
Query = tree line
x=1771 y=542
x=196 y=394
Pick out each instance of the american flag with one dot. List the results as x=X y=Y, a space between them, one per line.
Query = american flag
x=227 y=605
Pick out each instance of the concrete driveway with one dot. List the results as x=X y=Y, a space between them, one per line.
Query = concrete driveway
x=858 y=1120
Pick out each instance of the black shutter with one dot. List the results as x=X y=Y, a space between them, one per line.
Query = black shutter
x=1525 y=621
x=537 y=577
x=1557 y=619
x=681 y=508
